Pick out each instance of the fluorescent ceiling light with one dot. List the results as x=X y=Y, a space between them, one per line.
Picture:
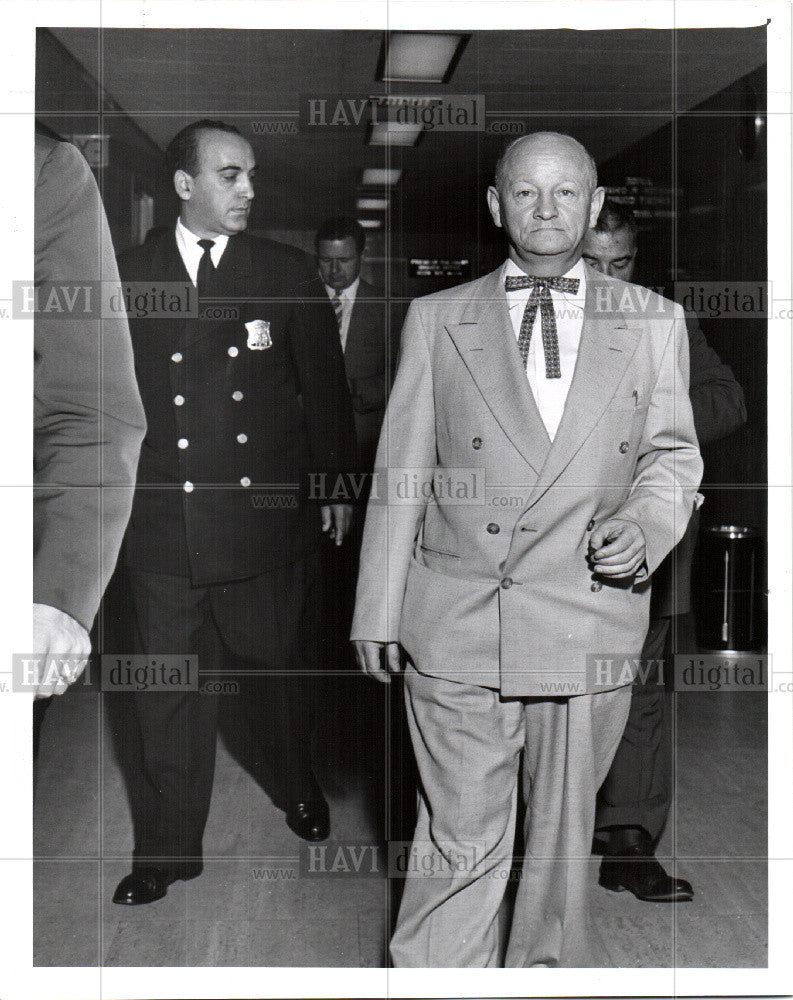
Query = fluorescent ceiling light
x=371 y=204
x=421 y=56
x=380 y=177
x=370 y=223
x=395 y=134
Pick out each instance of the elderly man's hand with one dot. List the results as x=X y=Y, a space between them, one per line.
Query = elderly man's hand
x=369 y=655
x=617 y=548
x=56 y=634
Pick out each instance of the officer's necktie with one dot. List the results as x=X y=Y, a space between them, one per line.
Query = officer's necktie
x=206 y=269
x=540 y=295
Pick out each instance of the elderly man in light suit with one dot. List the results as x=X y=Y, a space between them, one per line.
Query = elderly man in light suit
x=570 y=400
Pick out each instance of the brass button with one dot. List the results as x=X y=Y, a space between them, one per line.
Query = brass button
x=476 y=443
x=596 y=586
x=624 y=446
x=506 y=583
x=591 y=525
x=493 y=528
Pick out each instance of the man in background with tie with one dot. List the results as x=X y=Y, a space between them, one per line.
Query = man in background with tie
x=542 y=414
x=361 y=315
x=243 y=402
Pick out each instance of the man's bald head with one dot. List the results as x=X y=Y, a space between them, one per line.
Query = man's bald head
x=545 y=198
x=546 y=141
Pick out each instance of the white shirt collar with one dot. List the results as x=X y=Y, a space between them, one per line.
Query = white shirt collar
x=191 y=252
x=346 y=294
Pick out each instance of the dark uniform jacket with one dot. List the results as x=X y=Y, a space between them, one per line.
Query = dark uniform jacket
x=243 y=410
x=88 y=418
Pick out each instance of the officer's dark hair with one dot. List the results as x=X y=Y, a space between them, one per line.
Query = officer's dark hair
x=614 y=216
x=341 y=227
x=182 y=151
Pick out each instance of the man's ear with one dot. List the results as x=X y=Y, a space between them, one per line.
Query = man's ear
x=598 y=197
x=183 y=183
x=494 y=204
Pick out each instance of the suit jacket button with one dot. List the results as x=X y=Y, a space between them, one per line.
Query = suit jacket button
x=242 y=438
x=624 y=446
x=188 y=487
x=591 y=525
x=506 y=583
x=176 y=358
x=493 y=528
x=236 y=395
x=596 y=586
x=178 y=400
x=183 y=442
x=245 y=481
x=233 y=351
x=476 y=443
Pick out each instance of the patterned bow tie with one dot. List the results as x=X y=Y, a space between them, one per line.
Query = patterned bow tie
x=515 y=281
x=540 y=296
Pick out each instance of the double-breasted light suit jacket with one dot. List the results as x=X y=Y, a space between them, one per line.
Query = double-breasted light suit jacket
x=475 y=546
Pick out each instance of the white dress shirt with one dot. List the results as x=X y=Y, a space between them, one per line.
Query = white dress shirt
x=192 y=253
x=550 y=394
x=347 y=298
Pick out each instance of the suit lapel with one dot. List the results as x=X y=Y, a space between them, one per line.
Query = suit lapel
x=607 y=345
x=486 y=341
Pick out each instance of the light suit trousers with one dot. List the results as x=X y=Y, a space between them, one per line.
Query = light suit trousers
x=468 y=742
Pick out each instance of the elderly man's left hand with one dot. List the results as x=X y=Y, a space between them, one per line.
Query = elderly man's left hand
x=617 y=548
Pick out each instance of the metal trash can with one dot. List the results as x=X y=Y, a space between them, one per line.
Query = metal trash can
x=732 y=612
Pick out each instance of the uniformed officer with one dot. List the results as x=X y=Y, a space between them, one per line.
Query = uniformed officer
x=243 y=402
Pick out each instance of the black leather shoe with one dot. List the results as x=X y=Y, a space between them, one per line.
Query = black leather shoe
x=630 y=864
x=309 y=820
x=148 y=885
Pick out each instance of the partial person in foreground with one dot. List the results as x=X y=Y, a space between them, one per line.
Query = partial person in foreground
x=88 y=420
x=560 y=408
x=244 y=402
x=634 y=800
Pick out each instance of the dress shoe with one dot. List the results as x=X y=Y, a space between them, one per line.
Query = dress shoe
x=147 y=885
x=630 y=864
x=309 y=820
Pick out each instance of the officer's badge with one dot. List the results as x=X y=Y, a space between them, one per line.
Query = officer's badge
x=259 y=334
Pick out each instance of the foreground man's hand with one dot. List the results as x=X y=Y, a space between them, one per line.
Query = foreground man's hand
x=57 y=634
x=336 y=520
x=617 y=548
x=368 y=653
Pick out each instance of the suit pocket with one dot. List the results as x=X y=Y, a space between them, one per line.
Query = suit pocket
x=438 y=552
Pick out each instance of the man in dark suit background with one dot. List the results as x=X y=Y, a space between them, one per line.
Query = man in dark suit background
x=361 y=317
x=88 y=419
x=222 y=548
x=634 y=800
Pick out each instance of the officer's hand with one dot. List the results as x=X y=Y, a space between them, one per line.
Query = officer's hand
x=617 y=548
x=336 y=520
x=369 y=657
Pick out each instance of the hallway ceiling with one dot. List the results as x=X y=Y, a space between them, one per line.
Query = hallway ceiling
x=608 y=88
